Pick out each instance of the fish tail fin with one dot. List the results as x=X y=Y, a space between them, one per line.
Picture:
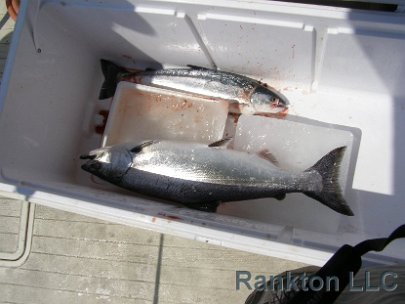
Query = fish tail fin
x=111 y=73
x=331 y=193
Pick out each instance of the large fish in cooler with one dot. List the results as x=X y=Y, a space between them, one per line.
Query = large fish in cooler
x=202 y=176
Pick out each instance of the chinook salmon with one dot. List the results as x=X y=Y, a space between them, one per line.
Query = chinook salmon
x=201 y=176
x=243 y=91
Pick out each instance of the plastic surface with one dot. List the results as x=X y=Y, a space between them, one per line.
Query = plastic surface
x=140 y=113
x=297 y=146
x=342 y=71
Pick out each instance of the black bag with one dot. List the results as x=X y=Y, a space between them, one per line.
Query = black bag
x=345 y=262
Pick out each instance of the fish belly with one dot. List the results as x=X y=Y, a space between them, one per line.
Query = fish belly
x=192 y=192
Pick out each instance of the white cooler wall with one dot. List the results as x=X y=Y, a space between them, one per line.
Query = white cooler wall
x=133 y=35
x=366 y=59
x=41 y=122
x=254 y=44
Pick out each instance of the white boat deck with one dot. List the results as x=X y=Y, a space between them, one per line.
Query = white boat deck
x=76 y=259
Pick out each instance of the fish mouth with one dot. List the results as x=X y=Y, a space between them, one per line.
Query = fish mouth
x=277 y=108
x=277 y=99
x=281 y=101
x=278 y=105
x=91 y=165
x=87 y=156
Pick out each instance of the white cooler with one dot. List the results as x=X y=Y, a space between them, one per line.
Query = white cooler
x=342 y=70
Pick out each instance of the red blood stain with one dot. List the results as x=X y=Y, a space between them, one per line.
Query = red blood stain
x=235 y=117
x=170 y=217
x=127 y=57
x=100 y=128
x=281 y=115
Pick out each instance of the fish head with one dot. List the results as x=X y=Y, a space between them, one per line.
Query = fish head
x=108 y=163
x=267 y=100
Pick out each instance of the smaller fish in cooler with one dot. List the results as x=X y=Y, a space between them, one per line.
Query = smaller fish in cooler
x=247 y=94
x=201 y=176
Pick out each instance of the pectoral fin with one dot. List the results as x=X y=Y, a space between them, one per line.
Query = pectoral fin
x=139 y=148
x=220 y=143
x=267 y=155
x=280 y=196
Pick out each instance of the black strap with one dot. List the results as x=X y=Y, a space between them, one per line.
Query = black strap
x=347 y=259
x=379 y=244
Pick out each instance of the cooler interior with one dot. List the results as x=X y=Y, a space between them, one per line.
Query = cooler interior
x=342 y=71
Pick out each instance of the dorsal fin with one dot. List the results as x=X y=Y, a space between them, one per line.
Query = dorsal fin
x=191 y=66
x=267 y=155
x=139 y=148
x=220 y=143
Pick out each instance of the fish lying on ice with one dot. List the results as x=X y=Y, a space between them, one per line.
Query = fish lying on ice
x=244 y=91
x=201 y=176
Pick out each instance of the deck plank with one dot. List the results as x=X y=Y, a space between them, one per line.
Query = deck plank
x=8 y=242
x=78 y=265
x=80 y=284
x=19 y=293
x=103 y=232
x=10 y=211
x=10 y=207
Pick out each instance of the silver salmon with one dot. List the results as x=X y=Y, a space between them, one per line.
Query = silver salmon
x=201 y=176
x=252 y=95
